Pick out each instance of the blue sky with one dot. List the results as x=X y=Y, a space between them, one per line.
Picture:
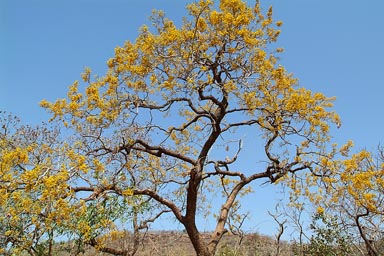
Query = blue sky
x=335 y=47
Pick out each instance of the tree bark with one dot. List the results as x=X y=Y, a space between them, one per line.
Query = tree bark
x=371 y=250
x=197 y=240
x=189 y=221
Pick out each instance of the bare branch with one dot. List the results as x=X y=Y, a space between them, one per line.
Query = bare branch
x=176 y=211
x=158 y=151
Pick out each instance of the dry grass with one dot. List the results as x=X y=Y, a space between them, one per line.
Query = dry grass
x=168 y=243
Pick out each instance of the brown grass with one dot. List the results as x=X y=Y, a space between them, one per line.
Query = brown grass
x=168 y=243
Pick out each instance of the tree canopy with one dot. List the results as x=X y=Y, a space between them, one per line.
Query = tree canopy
x=163 y=129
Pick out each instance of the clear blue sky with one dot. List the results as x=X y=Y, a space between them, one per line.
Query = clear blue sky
x=335 y=47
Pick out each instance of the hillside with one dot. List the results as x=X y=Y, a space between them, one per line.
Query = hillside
x=170 y=243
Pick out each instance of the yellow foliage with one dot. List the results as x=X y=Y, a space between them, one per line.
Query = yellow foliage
x=320 y=210
x=127 y=192
x=169 y=96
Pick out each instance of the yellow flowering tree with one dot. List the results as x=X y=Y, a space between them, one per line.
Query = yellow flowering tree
x=33 y=188
x=166 y=123
x=355 y=194
x=38 y=206
x=349 y=194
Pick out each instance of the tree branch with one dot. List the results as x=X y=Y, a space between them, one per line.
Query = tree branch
x=176 y=211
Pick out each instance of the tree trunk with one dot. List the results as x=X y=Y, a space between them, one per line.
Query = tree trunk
x=198 y=242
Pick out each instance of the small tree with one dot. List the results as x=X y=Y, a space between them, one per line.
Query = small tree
x=329 y=239
x=33 y=188
x=39 y=206
x=167 y=120
x=355 y=193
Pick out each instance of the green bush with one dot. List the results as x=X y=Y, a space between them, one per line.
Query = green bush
x=328 y=238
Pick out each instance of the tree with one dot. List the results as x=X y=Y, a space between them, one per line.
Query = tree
x=167 y=121
x=355 y=192
x=38 y=206
x=329 y=238
x=33 y=188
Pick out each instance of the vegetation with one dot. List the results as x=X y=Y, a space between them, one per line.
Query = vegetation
x=328 y=239
x=162 y=132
